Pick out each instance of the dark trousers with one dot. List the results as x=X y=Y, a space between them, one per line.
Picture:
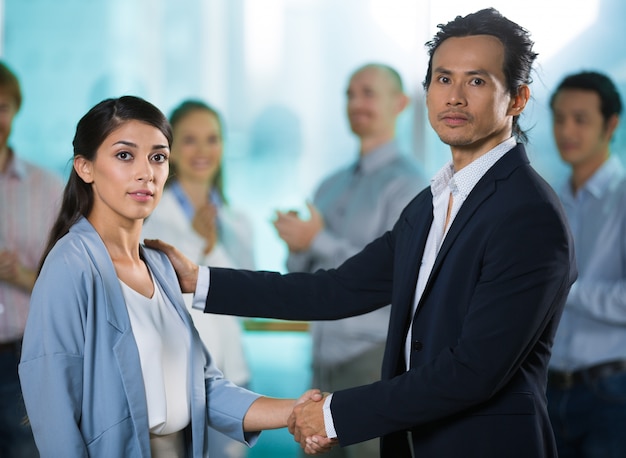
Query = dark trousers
x=16 y=437
x=589 y=417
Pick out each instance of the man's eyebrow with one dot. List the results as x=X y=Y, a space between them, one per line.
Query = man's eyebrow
x=447 y=71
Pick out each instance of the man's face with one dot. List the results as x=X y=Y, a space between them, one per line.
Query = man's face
x=373 y=103
x=8 y=109
x=469 y=105
x=580 y=131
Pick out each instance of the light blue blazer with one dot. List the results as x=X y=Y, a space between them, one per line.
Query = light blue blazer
x=80 y=369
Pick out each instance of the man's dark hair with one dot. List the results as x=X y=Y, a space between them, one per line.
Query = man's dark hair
x=10 y=84
x=610 y=100
x=518 y=48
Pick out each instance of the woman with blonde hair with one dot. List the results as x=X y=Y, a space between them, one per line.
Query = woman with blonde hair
x=194 y=213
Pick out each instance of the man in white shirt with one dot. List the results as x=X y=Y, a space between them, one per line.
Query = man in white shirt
x=587 y=378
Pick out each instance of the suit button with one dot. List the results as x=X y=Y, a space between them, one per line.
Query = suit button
x=417 y=345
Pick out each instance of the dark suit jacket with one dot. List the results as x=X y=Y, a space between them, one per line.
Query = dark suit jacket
x=482 y=333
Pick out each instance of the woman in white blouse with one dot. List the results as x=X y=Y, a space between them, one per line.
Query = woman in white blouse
x=112 y=365
x=194 y=214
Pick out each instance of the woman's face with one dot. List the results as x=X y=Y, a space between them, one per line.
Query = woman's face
x=128 y=173
x=197 y=146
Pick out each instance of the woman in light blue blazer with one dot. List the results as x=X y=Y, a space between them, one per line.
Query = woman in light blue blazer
x=112 y=365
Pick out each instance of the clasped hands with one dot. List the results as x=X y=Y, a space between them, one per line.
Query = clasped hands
x=14 y=272
x=306 y=423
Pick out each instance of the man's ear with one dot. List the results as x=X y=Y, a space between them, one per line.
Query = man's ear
x=519 y=101
x=611 y=125
x=403 y=102
x=83 y=168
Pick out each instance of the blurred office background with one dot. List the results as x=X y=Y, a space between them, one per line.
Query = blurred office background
x=277 y=70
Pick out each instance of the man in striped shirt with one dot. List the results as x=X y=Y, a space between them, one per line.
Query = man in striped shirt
x=29 y=200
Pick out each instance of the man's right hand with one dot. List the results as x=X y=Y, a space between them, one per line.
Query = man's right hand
x=186 y=270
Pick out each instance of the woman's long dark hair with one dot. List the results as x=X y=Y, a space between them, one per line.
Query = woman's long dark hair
x=91 y=131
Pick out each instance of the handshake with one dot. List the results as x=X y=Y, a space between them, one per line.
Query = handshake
x=306 y=423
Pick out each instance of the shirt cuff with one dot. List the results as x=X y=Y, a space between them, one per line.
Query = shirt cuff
x=322 y=243
x=573 y=299
x=329 y=425
x=202 y=288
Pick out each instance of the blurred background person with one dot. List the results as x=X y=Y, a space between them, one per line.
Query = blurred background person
x=352 y=207
x=194 y=215
x=29 y=200
x=587 y=380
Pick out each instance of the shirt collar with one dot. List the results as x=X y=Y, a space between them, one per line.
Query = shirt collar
x=377 y=158
x=186 y=204
x=16 y=166
x=602 y=180
x=462 y=182
x=439 y=182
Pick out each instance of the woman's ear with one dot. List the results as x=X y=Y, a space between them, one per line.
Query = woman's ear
x=83 y=169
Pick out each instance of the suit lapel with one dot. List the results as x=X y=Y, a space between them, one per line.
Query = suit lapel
x=485 y=187
x=410 y=247
x=420 y=223
x=479 y=194
x=125 y=347
x=116 y=312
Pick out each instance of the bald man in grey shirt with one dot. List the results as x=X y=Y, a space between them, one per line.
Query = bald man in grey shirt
x=351 y=208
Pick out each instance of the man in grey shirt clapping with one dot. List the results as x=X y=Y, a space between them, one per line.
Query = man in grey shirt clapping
x=350 y=208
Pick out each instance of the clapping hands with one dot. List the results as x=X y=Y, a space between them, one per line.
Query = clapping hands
x=205 y=225
x=297 y=233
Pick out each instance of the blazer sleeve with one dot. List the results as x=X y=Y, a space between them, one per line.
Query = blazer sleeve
x=51 y=367
x=227 y=405
x=361 y=284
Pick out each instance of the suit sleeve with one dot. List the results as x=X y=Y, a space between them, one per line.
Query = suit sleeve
x=361 y=284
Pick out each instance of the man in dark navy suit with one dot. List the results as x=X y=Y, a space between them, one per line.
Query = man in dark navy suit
x=477 y=269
